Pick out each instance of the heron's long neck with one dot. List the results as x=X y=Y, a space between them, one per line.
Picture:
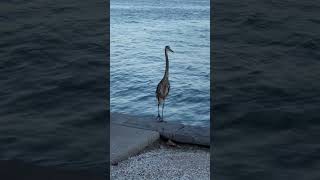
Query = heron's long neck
x=166 y=73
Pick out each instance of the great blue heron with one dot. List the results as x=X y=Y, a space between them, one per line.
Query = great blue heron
x=163 y=87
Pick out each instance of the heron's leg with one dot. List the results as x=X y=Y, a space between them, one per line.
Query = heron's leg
x=158 y=109
x=162 y=109
x=158 y=117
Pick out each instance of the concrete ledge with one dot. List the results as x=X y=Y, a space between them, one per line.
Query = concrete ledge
x=127 y=141
x=169 y=130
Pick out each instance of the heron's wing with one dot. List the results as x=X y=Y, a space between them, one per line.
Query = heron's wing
x=168 y=88
x=158 y=88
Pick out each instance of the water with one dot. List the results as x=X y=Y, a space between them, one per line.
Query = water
x=52 y=83
x=139 y=32
x=266 y=96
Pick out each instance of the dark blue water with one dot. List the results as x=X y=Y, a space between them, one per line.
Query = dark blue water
x=266 y=97
x=53 y=72
x=139 y=32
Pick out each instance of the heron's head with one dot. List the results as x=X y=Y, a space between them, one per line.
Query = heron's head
x=167 y=48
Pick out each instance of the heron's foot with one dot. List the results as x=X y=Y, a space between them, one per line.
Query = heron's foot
x=159 y=119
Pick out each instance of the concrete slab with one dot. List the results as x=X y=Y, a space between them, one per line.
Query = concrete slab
x=128 y=141
x=166 y=129
x=169 y=130
x=193 y=135
x=118 y=118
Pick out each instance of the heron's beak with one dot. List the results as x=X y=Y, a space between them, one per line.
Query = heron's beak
x=171 y=50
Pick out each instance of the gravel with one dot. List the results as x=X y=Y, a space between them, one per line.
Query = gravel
x=165 y=162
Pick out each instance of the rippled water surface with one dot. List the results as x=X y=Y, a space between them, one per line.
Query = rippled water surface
x=52 y=83
x=266 y=97
x=139 y=32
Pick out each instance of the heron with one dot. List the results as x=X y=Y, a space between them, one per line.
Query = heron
x=163 y=87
